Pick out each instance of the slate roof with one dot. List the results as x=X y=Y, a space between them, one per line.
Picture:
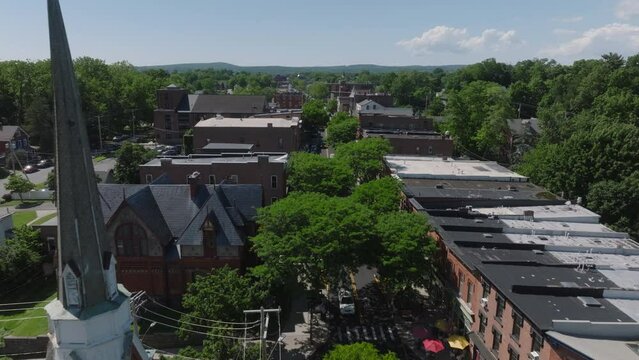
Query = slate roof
x=224 y=104
x=173 y=215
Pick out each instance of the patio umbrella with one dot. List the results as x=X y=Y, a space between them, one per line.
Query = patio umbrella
x=433 y=345
x=458 y=342
x=420 y=332
x=442 y=325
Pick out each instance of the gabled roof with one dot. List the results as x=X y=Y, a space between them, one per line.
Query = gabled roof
x=173 y=214
x=8 y=131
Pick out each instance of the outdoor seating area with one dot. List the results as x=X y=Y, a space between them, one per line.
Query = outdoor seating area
x=437 y=343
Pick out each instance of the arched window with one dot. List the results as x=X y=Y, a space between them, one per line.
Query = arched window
x=130 y=240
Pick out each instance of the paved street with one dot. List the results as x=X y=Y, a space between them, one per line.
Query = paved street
x=37 y=177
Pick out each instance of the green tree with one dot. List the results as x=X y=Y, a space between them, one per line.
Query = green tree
x=381 y=195
x=318 y=90
x=221 y=295
x=314 y=237
x=19 y=184
x=406 y=258
x=358 y=351
x=20 y=254
x=314 y=114
x=341 y=129
x=476 y=118
x=365 y=157
x=316 y=173
x=617 y=202
x=331 y=106
x=128 y=158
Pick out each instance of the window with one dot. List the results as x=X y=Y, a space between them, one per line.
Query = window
x=461 y=281
x=537 y=341
x=430 y=150
x=212 y=179
x=148 y=178
x=485 y=289
x=167 y=122
x=274 y=181
x=469 y=292
x=512 y=354
x=483 y=321
x=496 y=340
x=130 y=240
x=280 y=143
x=233 y=179
x=501 y=305
x=208 y=230
x=367 y=108
x=374 y=106
x=518 y=322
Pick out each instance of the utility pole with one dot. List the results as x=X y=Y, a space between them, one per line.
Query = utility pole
x=264 y=321
x=100 y=130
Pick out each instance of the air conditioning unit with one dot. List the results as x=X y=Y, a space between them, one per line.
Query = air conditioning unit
x=484 y=303
x=533 y=355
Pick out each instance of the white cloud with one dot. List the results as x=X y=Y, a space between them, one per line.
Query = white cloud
x=621 y=38
x=457 y=40
x=569 y=19
x=627 y=9
x=563 y=32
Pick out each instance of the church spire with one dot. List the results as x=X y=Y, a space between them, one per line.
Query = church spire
x=86 y=270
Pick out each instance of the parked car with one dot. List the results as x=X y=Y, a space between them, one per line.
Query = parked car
x=346 y=302
x=45 y=163
x=29 y=169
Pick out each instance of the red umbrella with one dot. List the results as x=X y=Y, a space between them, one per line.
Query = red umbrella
x=433 y=346
x=420 y=332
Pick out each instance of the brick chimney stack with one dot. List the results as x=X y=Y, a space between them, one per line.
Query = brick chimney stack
x=194 y=182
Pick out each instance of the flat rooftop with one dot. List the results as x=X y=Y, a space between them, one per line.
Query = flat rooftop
x=224 y=122
x=210 y=160
x=427 y=167
x=574 y=213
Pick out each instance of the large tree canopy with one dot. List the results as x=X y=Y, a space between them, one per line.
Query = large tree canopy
x=365 y=157
x=358 y=351
x=341 y=129
x=316 y=173
x=128 y=158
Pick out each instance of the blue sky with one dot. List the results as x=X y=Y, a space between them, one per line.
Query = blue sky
x=327 y=32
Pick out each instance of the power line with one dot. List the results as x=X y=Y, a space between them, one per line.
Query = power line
x=256 y=323
x=200 y=318
x=193 y=331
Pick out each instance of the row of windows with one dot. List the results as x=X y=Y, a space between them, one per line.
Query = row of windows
x=518 y=323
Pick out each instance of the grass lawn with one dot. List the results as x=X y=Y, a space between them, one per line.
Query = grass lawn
x=44 y=219
x=41 y=186
x=99 y=158
x=23 y=217
x=25 y=204
x=40 y=290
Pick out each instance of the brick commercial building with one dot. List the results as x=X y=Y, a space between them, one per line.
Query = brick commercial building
x=531 y=277
x=427 y=143
x=390 y=122
x=266 y=171
x=289 y=99
x=267 y=135
x=163 y=235
x=178 y=111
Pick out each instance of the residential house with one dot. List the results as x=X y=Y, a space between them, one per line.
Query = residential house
x=372 y=107
x=265 y=170
x=164 y=235
x=267 y=135
x=14 y=138
x=177 y=110
x=6 y=226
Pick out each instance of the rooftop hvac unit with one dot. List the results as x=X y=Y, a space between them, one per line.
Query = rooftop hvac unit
x=533 y=355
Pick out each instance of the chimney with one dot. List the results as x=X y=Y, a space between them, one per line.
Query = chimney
x=194 y=181
x=262 y=159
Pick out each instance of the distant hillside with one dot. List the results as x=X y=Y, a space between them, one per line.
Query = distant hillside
x=285 y=70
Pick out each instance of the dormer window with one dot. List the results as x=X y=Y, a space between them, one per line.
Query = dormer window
x=208 y=230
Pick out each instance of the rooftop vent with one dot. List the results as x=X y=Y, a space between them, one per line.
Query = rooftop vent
x=589 y=301
x=439 y=186
x=486 y=235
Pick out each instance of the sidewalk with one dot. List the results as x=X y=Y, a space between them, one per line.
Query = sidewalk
x=296 y=330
